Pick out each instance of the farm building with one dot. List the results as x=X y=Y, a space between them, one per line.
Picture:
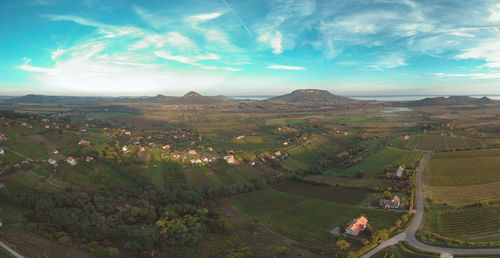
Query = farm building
x=83 y=142
x=52 y=162
x=240 y=137
x=71 y=161
x=47 y=126
x=229 y=159
x=356 y=225
x=166 y=147
x=285 y=143
x=278 y=153
x=88 y=159
x=398 y=172
x=390 y=204
x=192 y=152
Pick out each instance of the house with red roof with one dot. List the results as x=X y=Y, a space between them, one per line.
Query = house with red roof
x=71 y=161
x=356 y=225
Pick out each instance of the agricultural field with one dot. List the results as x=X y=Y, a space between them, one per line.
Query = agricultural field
x=464 y=168
x=374 y=165
x=327 y=193
x=304 y=219
x=403 y=249
x=441 y=142
x=470 y=223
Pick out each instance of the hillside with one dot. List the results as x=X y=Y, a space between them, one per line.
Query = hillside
x=312 y=97
x=452 y=100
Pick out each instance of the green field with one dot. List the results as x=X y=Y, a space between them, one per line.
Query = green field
x=25 y=146
x=467 y=222
x=464 y=168
x=441 y=142
x=307 y=220
x=403 y=249
x=327 y=193
x=374 y=165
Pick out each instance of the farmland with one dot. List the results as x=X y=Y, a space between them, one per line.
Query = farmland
x=386 y=159
x=464 y=168
x=470 y=223
x=440 y=143
x=307 y=220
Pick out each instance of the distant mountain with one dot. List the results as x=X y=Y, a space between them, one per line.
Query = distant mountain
x=310 y=96
x=41 y=99
x=190 y=98
x=452 y=100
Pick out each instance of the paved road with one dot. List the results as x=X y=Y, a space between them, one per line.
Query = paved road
x=409 y=234
x=16 y=254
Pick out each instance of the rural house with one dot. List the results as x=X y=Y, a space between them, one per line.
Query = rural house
x=240 y=137
x=229 y=159
x=84 y=142
x=398 y=172
x=71 y=161
x=356 y=225
x=52 y=162
x=88 y=159
x=2 y=151
x=390 y=204
x=192 y=152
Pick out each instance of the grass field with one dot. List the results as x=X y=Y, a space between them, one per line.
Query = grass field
x=374 y=165
x=441 y=142
x=403 y=249
x=306 y=220
x=470 y=222
x=26 y=147
x=464 y=168
x=327 y=193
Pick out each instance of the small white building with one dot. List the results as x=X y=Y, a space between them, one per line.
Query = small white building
x=52 y=162
x=71 y=161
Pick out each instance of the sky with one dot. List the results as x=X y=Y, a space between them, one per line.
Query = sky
x=257 y=47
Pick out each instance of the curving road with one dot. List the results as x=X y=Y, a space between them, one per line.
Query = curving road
x=409 y=234
x=14 y=253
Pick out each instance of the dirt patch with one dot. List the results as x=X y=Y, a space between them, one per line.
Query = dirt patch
x=259 y=238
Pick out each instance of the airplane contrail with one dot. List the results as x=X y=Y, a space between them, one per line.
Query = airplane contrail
x=235 y=14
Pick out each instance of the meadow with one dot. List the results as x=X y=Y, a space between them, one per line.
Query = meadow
x=464 y=168
x=388 y=158
x=306 y=220
x=442 y=142
x=468 y=223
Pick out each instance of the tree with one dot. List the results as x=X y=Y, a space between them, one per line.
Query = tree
x=342 y=244
x=387 y=195
x=283 y=251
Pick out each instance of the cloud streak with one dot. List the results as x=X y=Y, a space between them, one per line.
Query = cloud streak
x=287 y=67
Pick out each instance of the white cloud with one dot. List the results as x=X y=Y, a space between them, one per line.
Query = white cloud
x=174 y=39
x=495 y=13
x=275 y=41
x=183 y=59
x=56 y=54
x=488 y=49
x=203 y=17
x=389 y=61
x=287 y=67
x=474 y=76
x=155 y=21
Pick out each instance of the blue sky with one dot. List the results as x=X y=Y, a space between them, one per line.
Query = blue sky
x=377 y=47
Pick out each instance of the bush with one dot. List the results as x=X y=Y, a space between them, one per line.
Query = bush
x=283 y=251
x=65 y=240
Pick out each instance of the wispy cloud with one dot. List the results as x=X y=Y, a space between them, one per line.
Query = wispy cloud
x=203 y=17
x=488 y=50
x=474 y=76
x=275 y=41
x=388 y=61
x=287 y=67
x=173 y=39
